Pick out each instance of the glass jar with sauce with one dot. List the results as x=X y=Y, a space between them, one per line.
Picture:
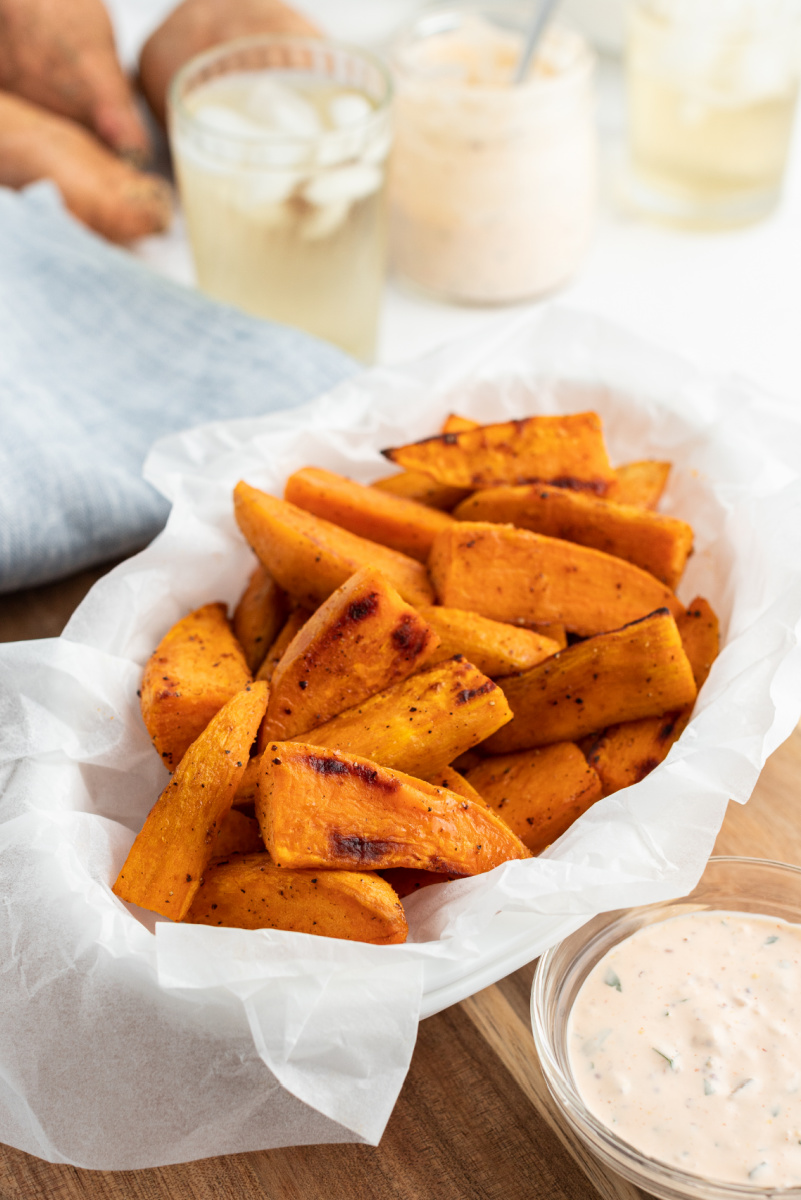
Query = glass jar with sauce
x=492 y=185
x=746 y=1004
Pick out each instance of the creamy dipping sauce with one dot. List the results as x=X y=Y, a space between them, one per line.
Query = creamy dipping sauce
x=685 y=1040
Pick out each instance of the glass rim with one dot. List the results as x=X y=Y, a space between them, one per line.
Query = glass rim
x=583 y=64
x=636 y=1166
x=176 y=106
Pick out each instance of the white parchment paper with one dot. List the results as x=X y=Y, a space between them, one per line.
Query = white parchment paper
x=127 y=1041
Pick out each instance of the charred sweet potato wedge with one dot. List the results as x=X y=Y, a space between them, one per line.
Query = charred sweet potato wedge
x=624 y=754
x=195 y=669
x=325 y=809
x=310 y=558
x=658 y=544
x=362 y=639
x=291 y=627
x=519 y=577
x=416 y=485
x=253 y=893
x=422 y=724
x=238 y=834
x=539 y=793
x=495 y=648
x=258 y=616
x=405 y=881
x=640 y=483
x=180 y=835
x=567 y=451
x=401 y=524
x=638 y=671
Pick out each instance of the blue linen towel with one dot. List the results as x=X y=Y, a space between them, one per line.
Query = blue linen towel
x=98 y=358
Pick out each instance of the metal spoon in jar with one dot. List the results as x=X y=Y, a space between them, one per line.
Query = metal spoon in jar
x=543 y=12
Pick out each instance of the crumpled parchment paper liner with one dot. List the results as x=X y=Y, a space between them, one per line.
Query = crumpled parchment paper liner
x=127 y=1041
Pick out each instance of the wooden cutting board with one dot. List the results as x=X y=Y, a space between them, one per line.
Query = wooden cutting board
x=473 y=1121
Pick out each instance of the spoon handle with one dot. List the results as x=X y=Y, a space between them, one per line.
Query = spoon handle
x=542 y=16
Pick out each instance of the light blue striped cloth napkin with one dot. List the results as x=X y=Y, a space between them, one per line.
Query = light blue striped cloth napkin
x=98 y=358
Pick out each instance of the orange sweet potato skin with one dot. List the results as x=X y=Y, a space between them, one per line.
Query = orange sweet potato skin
x=258 y=616
x=420 y=725
x=567 y=450
x=416 y=485
x=253 y=893
x=539 y=793
x=638 y=671
x=325 y=809
x=393 y=521
x=195 y=669
x=657 y=544
x=310 y=558
x=291 y=627
x=700 y=636
x=178 y=839
x=519 y=577
x=362 y=639
x=495 y=648
x=640 y=483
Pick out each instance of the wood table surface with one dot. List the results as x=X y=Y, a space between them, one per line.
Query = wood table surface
x=473 y=1121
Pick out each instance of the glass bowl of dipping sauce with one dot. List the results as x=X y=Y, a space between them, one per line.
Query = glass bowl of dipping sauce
x=670 y=1036
x=280 y=147
x=493 y=188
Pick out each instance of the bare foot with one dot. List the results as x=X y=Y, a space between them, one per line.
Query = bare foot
x=100 y=189
x=197 y=25
x=60 y=54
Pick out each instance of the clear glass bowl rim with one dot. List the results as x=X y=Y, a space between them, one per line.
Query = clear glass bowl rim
x=638 y=1168
x=177 y=107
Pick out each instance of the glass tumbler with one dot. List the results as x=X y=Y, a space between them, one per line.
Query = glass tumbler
x=492 y=183
x=712 y=88
x=280 y=147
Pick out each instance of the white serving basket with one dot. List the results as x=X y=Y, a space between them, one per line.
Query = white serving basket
x=165 y=1042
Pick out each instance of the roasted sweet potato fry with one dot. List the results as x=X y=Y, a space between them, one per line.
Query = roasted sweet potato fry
x=403 y=525
x=238 y=834
x=362 y=639
x=640 y=483
x=453 y=423
x=310 y=558
x=325 y=809
x=179 y=838
x=416 y=485
x=292 y=626
x=539 y=793
x=253 y=893
x=658 y=544
x=519 y=577
x=258 y=616
x=195 y=669
x=638 y=671
x=420 y=725
x=454 y=782
x=550 y=629
x=405 y=881
x=568 y=451
x=495 y=648
x=624 y=754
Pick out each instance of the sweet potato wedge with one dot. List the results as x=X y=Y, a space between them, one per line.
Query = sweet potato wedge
x=453 y=423
x=245 y=797
x=550 y=629
x=568 y=451
x=519 y=577
x=258 y=616
x=658 y=544
x=624 y=754
x=454 y=782
x=638 y=671
x=238 y=834
x=253 y=893
x=495 y=648
x=325 y=809
x=539 y=793
x=291 y=627
x=310 y=558
x=416 y=485
x=403 y=525
x=405 y=881
x=195 y=669
x=362 y=639
x=178 y=840
x=420 y=725
x=640 y=483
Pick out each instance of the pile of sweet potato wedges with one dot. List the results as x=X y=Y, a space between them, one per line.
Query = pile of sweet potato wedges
x=423 y=679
